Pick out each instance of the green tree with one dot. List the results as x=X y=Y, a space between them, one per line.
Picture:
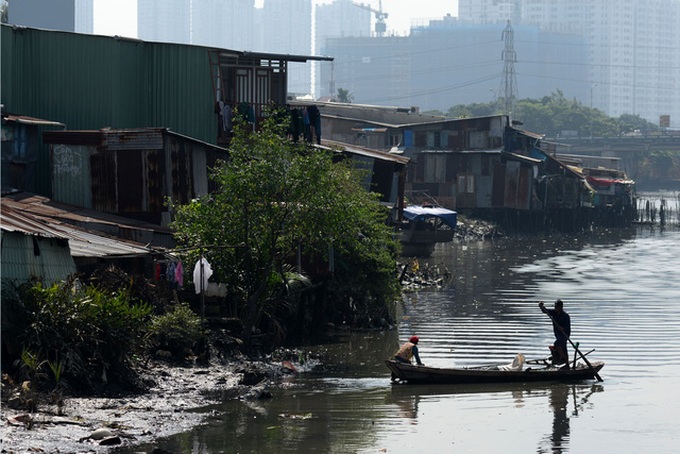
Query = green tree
x=275 y=198
x=554 y=114
x=538 y=117
x=628 y=123
x=660 y=164
x=345 y=95
x=472 y=110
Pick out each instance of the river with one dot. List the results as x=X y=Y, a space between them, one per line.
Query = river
x=622 y=290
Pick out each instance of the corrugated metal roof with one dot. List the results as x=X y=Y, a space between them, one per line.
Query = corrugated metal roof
x=121 y=139
x=87 y=244
x=14 y=221
x=29 y=256
x=31 y=120
x=389 y=117
x=367 y=152
x=485 y=151
x=43 y=206
x=228 y=53
x=33 y=216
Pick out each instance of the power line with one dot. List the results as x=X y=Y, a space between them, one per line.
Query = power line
x=437 y=90
x=383 y=76
x=409 y=53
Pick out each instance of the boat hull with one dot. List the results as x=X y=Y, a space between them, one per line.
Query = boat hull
x=414 y=374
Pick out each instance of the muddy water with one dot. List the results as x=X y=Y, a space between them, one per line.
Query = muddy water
x=622 y=290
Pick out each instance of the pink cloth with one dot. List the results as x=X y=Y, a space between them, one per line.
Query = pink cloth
x=179 y=274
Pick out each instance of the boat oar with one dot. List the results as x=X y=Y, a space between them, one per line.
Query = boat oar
x=545 y=360
x=575 y=347
x=574 y=363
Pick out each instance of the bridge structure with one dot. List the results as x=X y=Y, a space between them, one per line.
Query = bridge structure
x=617 y=146
x=622 y=153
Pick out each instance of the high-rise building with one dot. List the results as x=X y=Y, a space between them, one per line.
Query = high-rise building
x=341 y=18
x=164 y=20
x=488 y=11
x=67 y=15
x=220 y=23
x=448 y=63
x=285 y=27
x=633 y=47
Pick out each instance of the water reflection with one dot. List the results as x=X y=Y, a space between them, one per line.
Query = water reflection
x=565 y=401
x=366 y=415
x=621 y=290
x=559 y=437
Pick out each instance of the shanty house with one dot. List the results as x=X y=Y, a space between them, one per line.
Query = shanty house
x=130 y=172
x=482 y=166
x=89 y=82
x=21 y=149
x=461 y=163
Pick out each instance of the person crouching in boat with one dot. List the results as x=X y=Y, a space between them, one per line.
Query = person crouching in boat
x=406 y=352
x=562 y=329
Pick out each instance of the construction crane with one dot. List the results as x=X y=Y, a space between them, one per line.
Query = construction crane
x=380 y=16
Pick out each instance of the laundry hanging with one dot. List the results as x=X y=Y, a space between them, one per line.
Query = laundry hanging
x=179 y=274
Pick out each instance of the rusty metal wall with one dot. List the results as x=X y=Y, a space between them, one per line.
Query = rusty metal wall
x=130 y=172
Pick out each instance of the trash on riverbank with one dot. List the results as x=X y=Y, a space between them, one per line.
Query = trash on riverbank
x=415 y=275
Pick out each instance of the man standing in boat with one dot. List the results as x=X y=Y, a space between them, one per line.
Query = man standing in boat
x=562 y=329
x=406 y=352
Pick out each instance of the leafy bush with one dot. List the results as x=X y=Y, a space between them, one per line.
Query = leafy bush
x=90 y=330
x=15 y=319
x=176 y=331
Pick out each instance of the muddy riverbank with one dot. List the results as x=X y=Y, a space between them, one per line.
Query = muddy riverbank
x=174 y=402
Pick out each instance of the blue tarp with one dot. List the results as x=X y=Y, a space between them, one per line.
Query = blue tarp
x=422 y=213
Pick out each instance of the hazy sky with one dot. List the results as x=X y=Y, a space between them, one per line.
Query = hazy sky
x=119 y=17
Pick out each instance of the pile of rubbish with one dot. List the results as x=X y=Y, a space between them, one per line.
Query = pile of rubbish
x=475 y=229
x=414 y=276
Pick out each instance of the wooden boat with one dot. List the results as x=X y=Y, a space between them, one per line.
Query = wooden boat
x=530 y=372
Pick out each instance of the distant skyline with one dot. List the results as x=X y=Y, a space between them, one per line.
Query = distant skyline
x=119 y=17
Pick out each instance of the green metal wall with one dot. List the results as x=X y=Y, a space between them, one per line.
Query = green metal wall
x=92 y=82
x=20 y=263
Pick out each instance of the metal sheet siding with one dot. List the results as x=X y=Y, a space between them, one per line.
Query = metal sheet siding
x=91 y=82
x=182 y=91
x=20 y=262
x=524 y=188
x=71 y=174
x=484 y=191
x=511 y=184
x=103 y=180
x=181 y=176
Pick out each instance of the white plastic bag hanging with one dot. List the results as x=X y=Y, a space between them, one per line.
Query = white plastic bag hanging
x=202 y=284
